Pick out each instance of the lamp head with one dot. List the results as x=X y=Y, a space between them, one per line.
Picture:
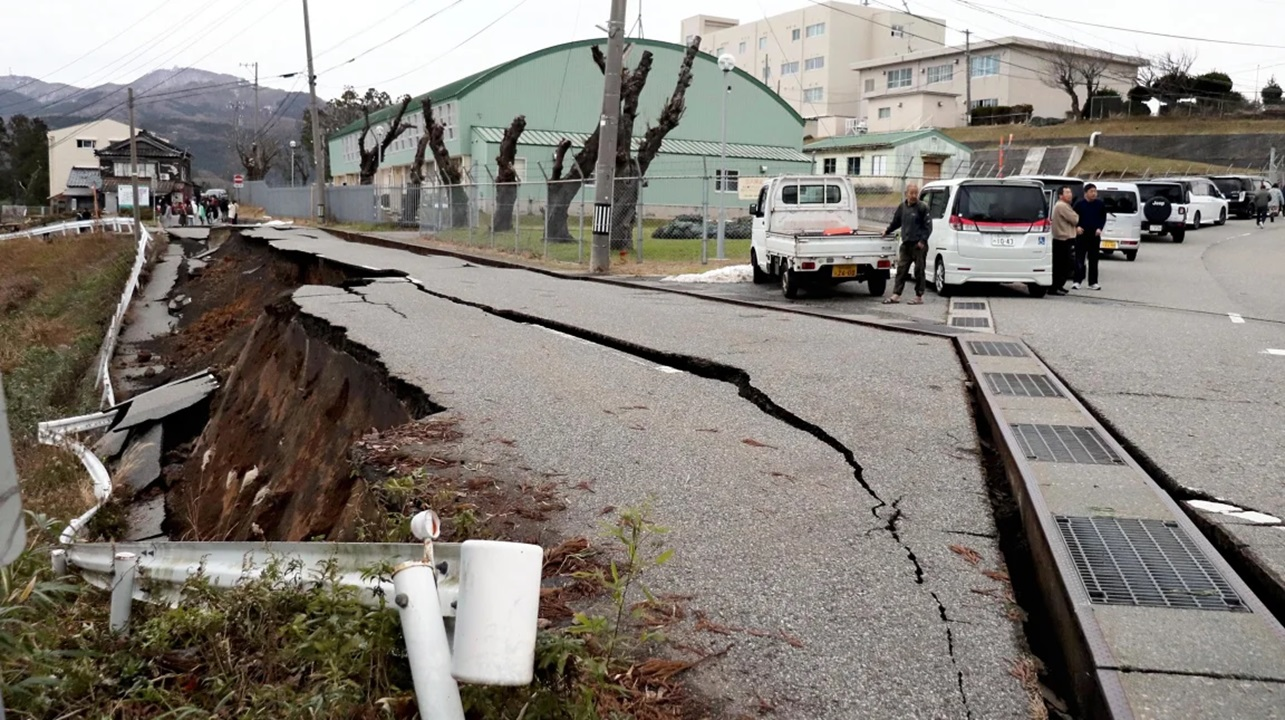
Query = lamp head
x=726 y=63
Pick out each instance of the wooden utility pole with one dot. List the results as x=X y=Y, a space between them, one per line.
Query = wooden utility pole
x=604 y=177
x=133 y=166
x=318 y=157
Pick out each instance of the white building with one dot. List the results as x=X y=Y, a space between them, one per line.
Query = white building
x=927 y=88
x=74 y=146
x=806 y=56
x=888 y=159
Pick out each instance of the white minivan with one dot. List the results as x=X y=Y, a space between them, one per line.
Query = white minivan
x=1123 y=231
x=991 y=231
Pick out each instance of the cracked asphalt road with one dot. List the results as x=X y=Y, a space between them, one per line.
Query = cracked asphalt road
x=772 y=527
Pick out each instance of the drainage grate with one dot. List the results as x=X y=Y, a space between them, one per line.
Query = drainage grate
x=970 y=322
x=969 y=305
x=1064 y=444
x=996 y=349
x=1022 y=384
x=1144 y=563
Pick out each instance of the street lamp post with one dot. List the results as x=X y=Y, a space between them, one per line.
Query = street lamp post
x=726 y=63
x=293 y=145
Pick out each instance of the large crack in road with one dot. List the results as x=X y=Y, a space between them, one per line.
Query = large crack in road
x=741 y=380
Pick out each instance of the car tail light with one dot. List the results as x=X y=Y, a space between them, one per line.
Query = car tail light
x=884 y=264
x=1041 y=226
x=808 y=265
x=956 y=222
x=1182 y=211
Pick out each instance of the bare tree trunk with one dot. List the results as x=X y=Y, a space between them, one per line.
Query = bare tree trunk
x=370 y=159
x=506 y=180
x=448 y=168
x=562 y=189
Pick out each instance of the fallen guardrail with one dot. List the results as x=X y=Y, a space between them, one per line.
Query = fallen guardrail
x=75 y=227
x=491 y=589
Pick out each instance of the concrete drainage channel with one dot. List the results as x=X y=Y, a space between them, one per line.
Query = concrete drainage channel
x=1148 y=619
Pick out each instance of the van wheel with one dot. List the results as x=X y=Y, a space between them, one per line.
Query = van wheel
x=760 y=277
x=790 y=283
x=1179 y=234
x=878 y=285
x=939 y=280
x=1130 y=255
x=1037 y=291
x=1222 y=217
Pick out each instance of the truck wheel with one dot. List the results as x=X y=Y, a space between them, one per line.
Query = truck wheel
x=760 y=277
x=1037 y=290
x=1130 y=255
x=1179 y=234
x=789 y=283
x=878 y=284
x=939 y=280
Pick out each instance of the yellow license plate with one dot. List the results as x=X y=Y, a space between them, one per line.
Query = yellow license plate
x=843 y=271
x=1109 y=244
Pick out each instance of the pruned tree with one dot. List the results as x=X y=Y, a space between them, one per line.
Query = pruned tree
x=257 y=153
x=1069 y=70
x=565 y=182
x=338 y=113
x=449 y=170
x=372 y=157
x=506 y=179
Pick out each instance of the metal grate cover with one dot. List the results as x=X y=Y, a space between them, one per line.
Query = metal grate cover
x=970 y=322
x=969 y=305
x=996 y=349
x=1144 y=563
x=1024 y=384
x=1064 y=444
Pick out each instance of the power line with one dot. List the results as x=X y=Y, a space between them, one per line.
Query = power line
x=389 y=40
x=367 y=29
x=458 y=45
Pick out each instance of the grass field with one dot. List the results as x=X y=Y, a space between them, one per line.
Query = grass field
x=1099 y=163
x=1140 y=126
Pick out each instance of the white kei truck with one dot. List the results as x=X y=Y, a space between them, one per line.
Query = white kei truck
x=805 y=234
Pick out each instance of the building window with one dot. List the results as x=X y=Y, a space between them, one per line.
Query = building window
x=854 y=166
x=984 y=65
x=816 y=30
x=885 y=113
x=987 y=102
x=815 y=94
x=794 y=34
x=763 y=43
x=447 y=114
x=90 y=144
x=688 y=40
x=879 y=165
x=828 y=166
x=733 y=180
x=815 y=63
x=870 y=84
x=740 y=47
x=721 y=49
x=898 y=30
x=899 y=78
x=941 y=73
x=790 y=68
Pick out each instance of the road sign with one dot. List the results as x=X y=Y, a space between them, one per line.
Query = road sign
x=13 y=534
x=238 y=181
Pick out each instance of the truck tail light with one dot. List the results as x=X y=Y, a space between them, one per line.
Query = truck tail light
x=884 y=264
x=807 y=265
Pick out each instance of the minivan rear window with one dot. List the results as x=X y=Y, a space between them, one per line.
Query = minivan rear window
x=1001 y=203
x=817 y=194
x=1119 y=202
x=1230 y=186
x=1172 y=193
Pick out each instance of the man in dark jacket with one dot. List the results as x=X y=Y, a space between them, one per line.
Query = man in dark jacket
x=1088 y=236
x=916 y=225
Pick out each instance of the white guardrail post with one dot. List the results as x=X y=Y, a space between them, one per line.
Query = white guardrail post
x=124 y=572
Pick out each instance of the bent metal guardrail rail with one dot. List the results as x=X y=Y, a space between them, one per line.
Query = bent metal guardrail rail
x=491 y=589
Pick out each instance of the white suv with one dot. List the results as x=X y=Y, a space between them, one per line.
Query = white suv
x=1206 y=204
x=989 y=230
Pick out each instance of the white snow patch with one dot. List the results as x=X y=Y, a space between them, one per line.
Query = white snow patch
x=729 y=274
x=1233 y=511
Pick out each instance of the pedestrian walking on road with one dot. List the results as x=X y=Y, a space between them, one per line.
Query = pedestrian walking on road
x=1262 y=201
x=916 y=225
x=1088 y=236
x=1277 y=201
x=233 y=209
x=1065 y=221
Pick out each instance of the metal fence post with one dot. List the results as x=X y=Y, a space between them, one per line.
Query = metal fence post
x=436 y=692
x=704 y=210
x=545 y=175
x=124 y=571
x=638 y=211
x=580 y=241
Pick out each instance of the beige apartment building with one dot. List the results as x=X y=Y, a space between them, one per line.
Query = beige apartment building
x=74 y=146
x=806 y=56
x=927 y=88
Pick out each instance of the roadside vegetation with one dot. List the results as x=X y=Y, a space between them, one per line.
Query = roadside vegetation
x=1099 y=163
x=1125 y=126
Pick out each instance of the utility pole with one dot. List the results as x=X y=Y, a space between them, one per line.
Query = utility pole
x=317 y=157
x=133 y=167
x=608 y=125
x=257 y=117
x=968 y=78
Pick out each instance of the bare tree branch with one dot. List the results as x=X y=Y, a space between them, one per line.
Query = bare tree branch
x=559 y=155
x=671 y=113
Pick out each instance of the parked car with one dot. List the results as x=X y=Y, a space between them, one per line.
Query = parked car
x=1123 y=230
x=990 y=231
x=1053 y=183
x=805 y=233
x=1205 y=203
x=1164 y=209
x=1239 y=191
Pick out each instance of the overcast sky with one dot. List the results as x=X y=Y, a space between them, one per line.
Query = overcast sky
x=77 y=41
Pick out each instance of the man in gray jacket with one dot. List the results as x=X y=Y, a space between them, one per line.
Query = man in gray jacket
x=1262 y=200
x=916 y=224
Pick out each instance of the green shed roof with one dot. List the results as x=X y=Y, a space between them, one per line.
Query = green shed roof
x=669 y=146
x=875 y=140
x=464 y=85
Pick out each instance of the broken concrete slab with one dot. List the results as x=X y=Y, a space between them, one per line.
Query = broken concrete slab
x=164 y=400
x=146 y=518
x=109 y=445
x=140 y=466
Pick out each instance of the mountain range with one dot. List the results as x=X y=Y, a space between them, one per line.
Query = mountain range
x=192 y=108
